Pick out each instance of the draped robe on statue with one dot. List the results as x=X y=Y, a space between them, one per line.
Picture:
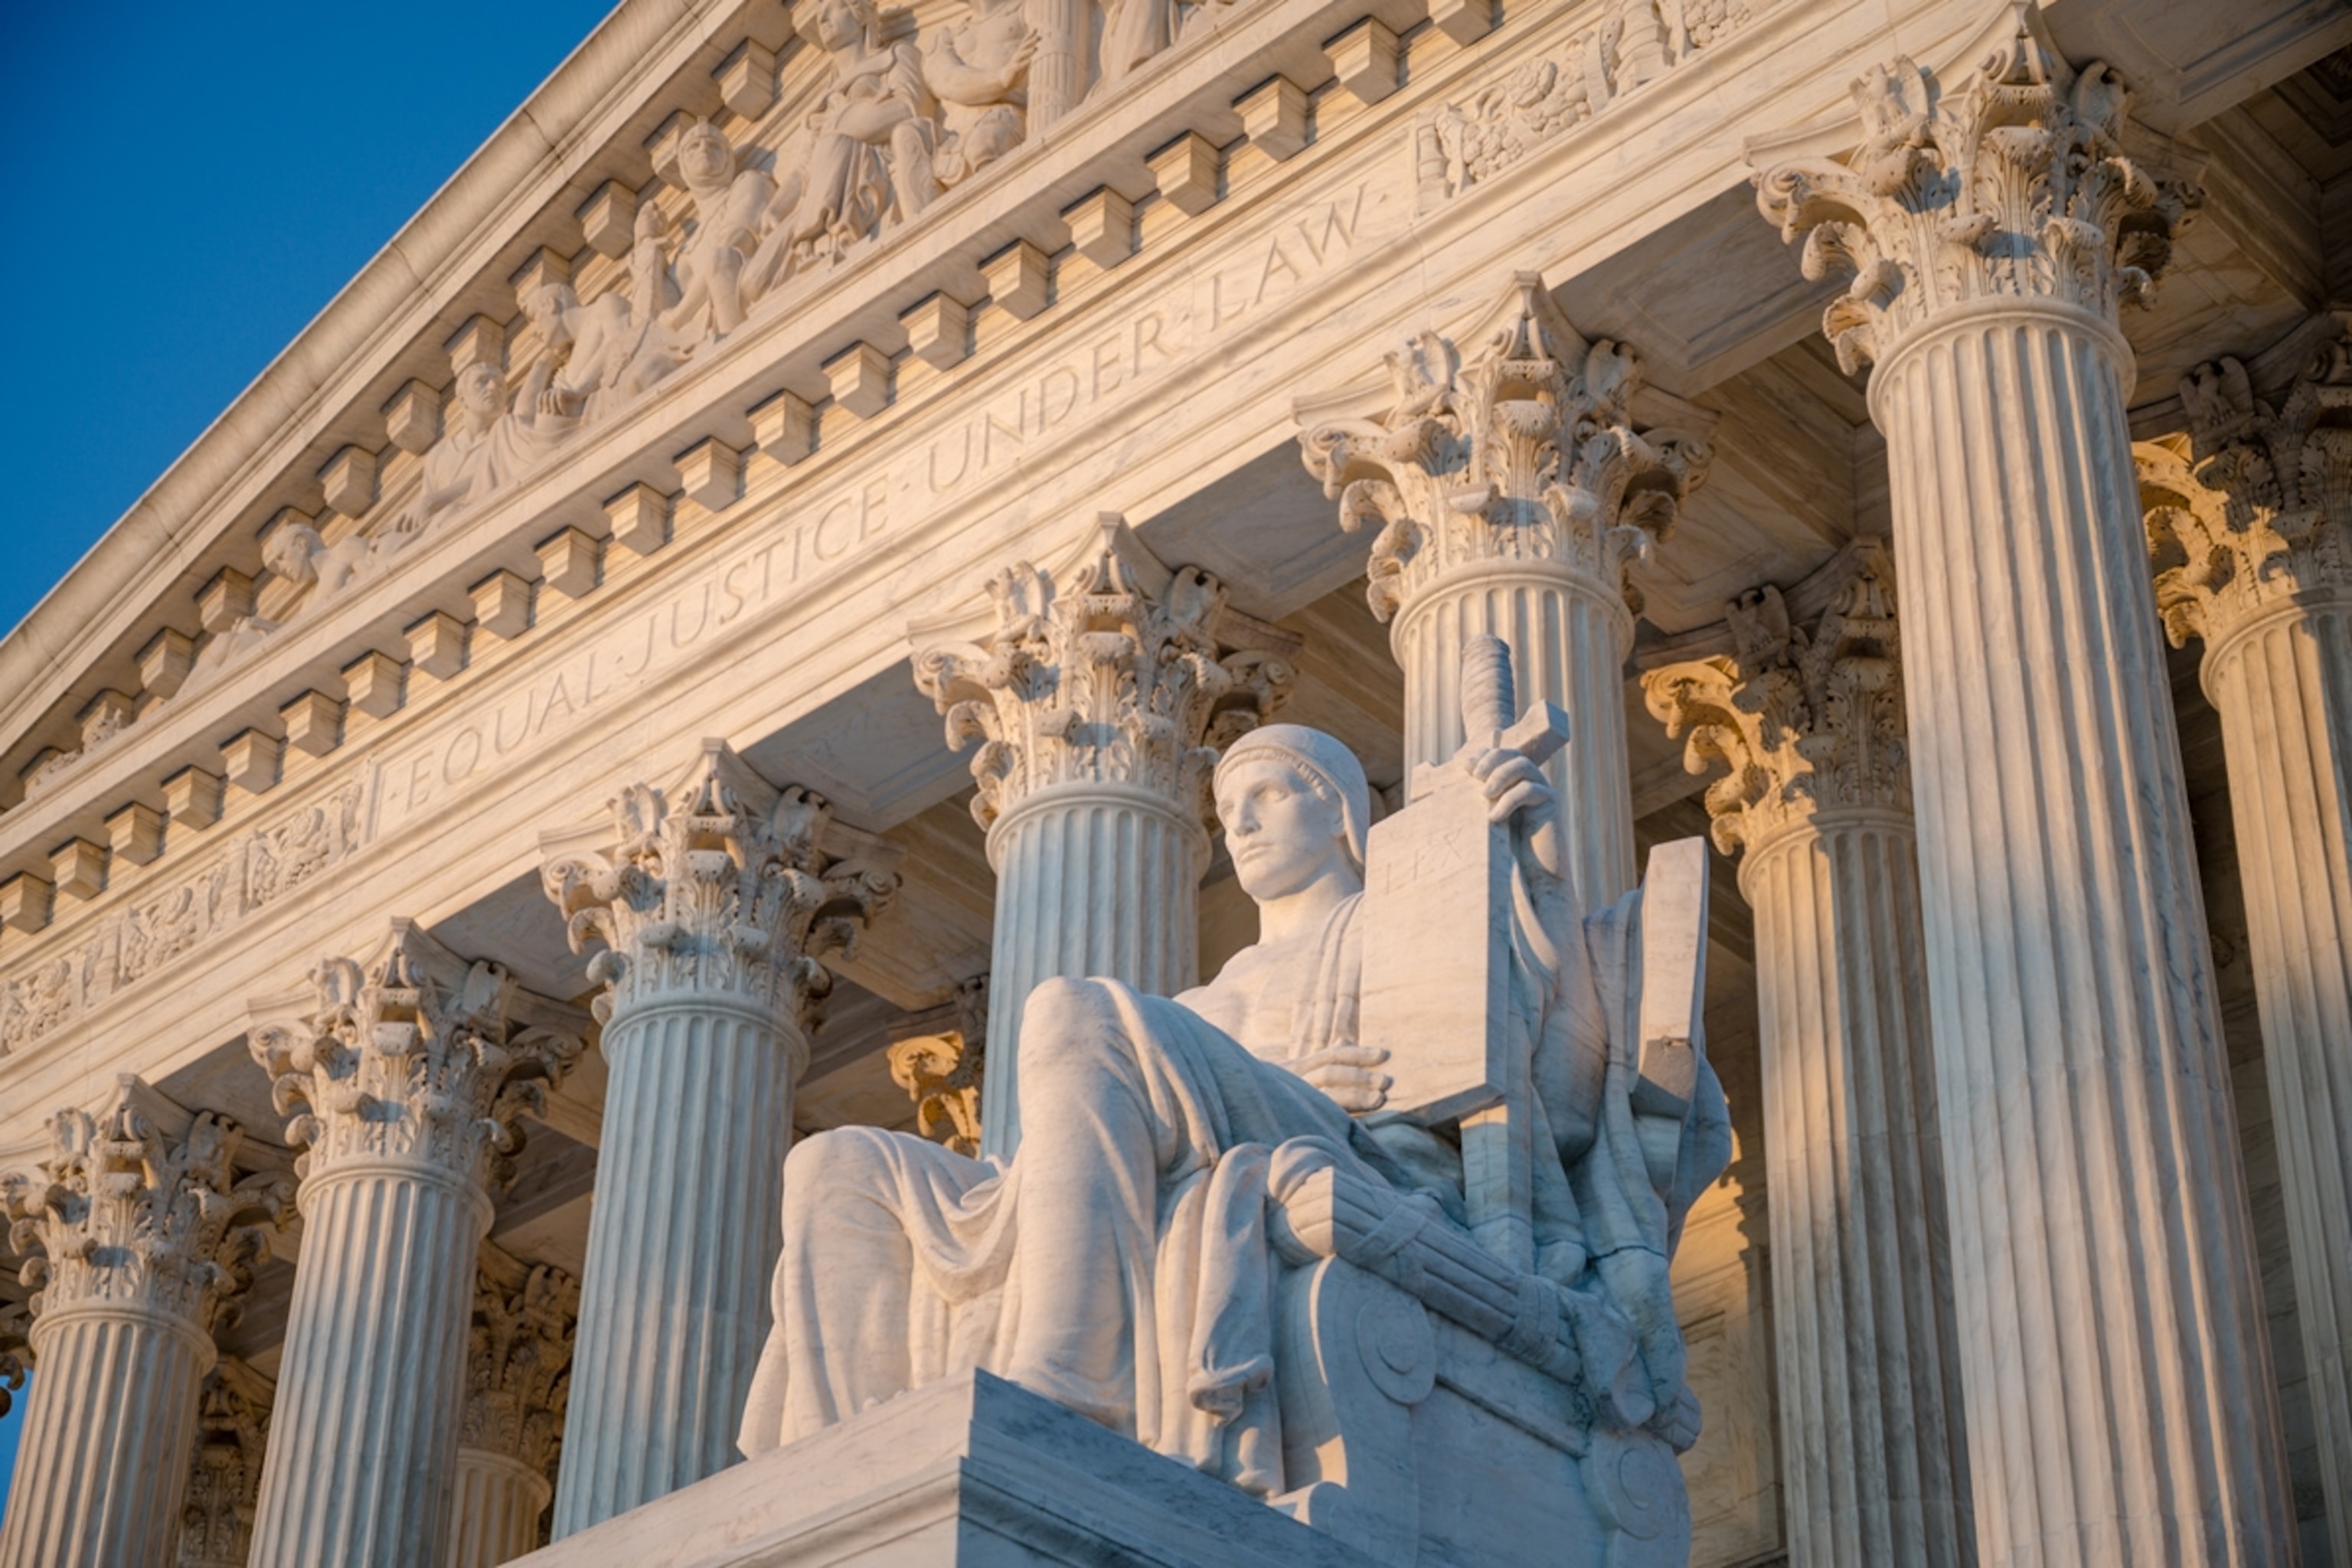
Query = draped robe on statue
x=1118 y=1263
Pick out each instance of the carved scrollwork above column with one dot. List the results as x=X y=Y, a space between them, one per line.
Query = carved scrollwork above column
x=1114 y=673
x=415 y=1057
x=1525 y=451
x=1808 y=722
x=2014 y=184
x=721 y=885
x=519 y=1360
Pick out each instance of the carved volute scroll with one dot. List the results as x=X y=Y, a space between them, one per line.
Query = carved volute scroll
x=942 y=1071
x=1524 y=451
x=2013 y=184
x=722 y=885
x=416 y=1057
x=2248 y=511
x=225 y=1470
x=1808 y=720
x=519 y=1360
x=1114 y=674
x=121 y=1212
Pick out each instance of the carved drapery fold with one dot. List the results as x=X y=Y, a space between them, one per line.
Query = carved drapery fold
x=224 y=1476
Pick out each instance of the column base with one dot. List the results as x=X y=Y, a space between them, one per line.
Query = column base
x=969 y=1470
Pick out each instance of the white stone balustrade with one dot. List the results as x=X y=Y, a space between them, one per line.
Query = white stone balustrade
x=407 y=1076
x=2120 y=1399
x=139 y=1241
x=716 y=901
x=1809 y=721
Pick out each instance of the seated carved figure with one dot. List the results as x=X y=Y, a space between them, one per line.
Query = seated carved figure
x=1128 y=1261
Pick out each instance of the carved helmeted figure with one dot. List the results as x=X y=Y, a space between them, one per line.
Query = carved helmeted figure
x=729 y=207
x=1120 y=1262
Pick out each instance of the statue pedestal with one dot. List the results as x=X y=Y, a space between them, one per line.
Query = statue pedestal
x=969 y=1470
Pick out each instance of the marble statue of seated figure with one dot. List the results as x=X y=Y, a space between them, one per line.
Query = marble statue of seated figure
x=1118 y=1263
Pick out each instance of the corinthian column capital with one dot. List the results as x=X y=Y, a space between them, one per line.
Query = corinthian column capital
x=1110 y=673
x=15 y=1319
x=2013 y=183
x=121 y=1214
x=721 y=885
x=518 y=1359
x=1523 y=451
x=225 y=1473
x=415 y=1058
x=1808 y=719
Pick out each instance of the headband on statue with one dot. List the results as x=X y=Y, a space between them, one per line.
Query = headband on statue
x=1323 y=760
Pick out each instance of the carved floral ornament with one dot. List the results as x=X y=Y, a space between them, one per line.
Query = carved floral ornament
x=2015 y=184
x=518 y=1361
x=416 y=1057
x=943 y=1071
x=1113 y=672
x=2248 y=511
x=1525 y=452
x=224 y=1471
x=120 y=1211
x=724 y=884
x=1807 y=721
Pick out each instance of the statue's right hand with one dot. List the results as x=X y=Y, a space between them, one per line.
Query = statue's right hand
x=1344 y=1072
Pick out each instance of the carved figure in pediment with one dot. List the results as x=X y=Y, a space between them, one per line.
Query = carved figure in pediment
x=730 y=205
x=593 y=357
x=484 y=446
x=979 y=70
x=297 y=552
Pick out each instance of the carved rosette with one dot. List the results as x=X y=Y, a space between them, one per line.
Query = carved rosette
x=417 y=1057
x=1526 y=453
x=518 y=1364
x=724 y=886
x=1807 y=721
x=122 y=1214
x=1114 y=675
x=2014 y=185
x=225 y=1472
x=2246 y=514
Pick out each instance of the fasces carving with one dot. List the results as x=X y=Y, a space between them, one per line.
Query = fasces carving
x=417 y=1057
x=120 y=1212
x=725 y=885
x=225 y=1474
x=943 y=1071
x=2247 y=511
x=1525 y=453
x=1807 y=721
x=518 y=1361
x=2013 y=184
x=1106 y=677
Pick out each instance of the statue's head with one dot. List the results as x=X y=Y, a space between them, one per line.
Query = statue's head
x=481 y=391
x=1294 y=807
x=545 y=306
x=837 y=23
x=291 y=552
x=705 y=157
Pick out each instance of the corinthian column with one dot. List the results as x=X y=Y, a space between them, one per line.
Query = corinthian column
x=2120 y=1393
x=408 y=1075
x=2249 y=523
x=517 y=1360
x=139 y=1242
x=1510 y=492
x=716 y=900
x=1100 y=701
x=1811 y=722
x=225 y=1478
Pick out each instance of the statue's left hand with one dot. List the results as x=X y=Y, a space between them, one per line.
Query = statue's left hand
x=1344 y=1072
x=1518 y=793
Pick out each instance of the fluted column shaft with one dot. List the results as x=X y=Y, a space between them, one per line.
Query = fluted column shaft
x=1874 y=1462
x=1568 y=639
x=498 y=1500
x=1092 y=879
x=102 y=1458
x=681 y=1241
x=2120 y=1399
x=2281 y=682
x=364 y=1439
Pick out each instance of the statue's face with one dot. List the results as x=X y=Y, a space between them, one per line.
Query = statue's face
x=704 y=157
x=478 y=390
x=839 y=25
x=1282 y=836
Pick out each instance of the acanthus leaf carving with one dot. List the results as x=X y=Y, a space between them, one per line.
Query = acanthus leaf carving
x=225 y=1468
x=2015 y=184
x=1524 y=451
x=1807 y=721
x=943 y=1071
x=519 y=1360
x=1113 y=674
x=417 y=1057
x=724 y=885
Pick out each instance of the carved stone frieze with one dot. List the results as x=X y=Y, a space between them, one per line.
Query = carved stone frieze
x=724 y=885
x=121 y=1212
x=943 y=1071
x=519 y=1360
x=2249 y=510
x=224 y=1471
x=1807 y=721
x=416 y=1057
x=1112 y=674
x=1525 y=451
x=2013 y=184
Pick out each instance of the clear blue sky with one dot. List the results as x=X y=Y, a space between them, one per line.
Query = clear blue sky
x=193 y=183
